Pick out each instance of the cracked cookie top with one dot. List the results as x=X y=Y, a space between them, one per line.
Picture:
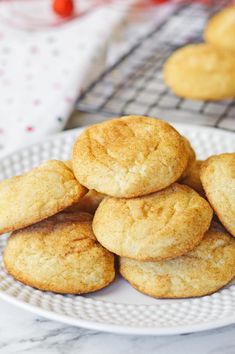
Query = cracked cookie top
x=38 y=194
x=207 y=268
x=60 y=254
x=158 y=226
x=218 y=179
x=129 y=157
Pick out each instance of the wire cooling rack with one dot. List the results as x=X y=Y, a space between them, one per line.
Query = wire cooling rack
x=134 y=84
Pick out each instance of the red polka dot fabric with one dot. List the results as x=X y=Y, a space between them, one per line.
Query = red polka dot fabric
x=42 y=72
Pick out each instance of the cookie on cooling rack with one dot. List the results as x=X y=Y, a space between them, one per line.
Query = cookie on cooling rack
x=158 y=226
x=36 y=195
x=129 y=157
x=201 y=71
x=218 y=180
x=220 y=30
x=60 y=254
x=192 y=177
x=209 y=267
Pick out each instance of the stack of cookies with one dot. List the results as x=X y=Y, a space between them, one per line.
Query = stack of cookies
x=141 y=179
x=207 y=70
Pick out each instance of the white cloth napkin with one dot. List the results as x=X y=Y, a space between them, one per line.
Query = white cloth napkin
x=43 y=72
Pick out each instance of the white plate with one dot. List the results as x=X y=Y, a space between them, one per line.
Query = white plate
x=119 y=308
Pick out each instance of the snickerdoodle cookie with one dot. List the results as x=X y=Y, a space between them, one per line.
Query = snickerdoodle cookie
x=60 y=254
x=209 y=267
x=220 y=30
x=129 y=157
x=192 y=177
x=89 y=203
x=158 y=226
x=201 y=71
x=218 y=180
x=191 y=157
x=38 y=194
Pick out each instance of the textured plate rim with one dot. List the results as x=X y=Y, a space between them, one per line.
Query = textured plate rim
x=204 y=128
x=118 y=329
x=112 y=328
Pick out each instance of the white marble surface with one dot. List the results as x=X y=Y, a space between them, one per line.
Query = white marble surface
x=25 y=333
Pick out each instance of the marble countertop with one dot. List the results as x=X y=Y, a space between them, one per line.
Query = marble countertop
x=25 y=333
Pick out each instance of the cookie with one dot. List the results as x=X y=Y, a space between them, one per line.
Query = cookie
x=89 y=203
x=218 y=180
x=220 y=30
x=192 y=178
x=191 y=157
x=60 y=254
x=69 y=164
x=158 y=226
x=201 y=71
x=209 y=267
x=36 y=195
x=129 y=157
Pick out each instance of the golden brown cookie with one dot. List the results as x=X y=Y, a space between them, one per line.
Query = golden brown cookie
x=36 y=195
x=201 y=71
x=192 y=178
x=218 y=180
x=220 y=30
x=89 y=203
x=129 y=157
x=158 y=226
x=69 y=164
x=209 y=267
x=60 y=254
x=191 y=157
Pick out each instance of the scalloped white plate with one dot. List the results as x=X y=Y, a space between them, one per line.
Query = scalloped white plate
x=119 y=308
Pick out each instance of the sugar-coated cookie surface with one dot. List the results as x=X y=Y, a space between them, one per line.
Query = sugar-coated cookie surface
x=209 y=267
x=38 y=194
x=192 y=178
x=201 y=71
x=220 y=30
x=60 y=254
x=218 y=180
x=158 y=226
x=89 y=203
x=129 y=157
x=191 y=157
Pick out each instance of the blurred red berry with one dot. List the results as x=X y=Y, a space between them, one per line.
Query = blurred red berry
x=63 y=8
x=158 y=1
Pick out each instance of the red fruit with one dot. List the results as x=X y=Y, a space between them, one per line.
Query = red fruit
x=158 y=1
x=63 y=8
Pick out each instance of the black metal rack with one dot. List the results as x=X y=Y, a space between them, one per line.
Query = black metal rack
x=134 y=84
